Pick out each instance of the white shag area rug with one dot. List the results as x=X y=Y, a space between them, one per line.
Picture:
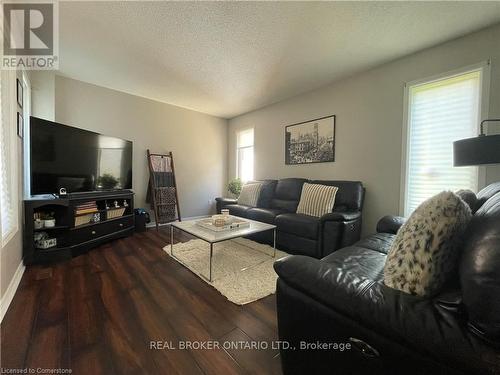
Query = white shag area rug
x=242 y=270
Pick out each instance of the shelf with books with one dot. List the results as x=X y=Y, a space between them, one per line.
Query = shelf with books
x=107 y=216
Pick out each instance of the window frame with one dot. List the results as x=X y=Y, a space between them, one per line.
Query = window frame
x=484 y=67
x=12 y=158
x=238 y=148
x=26 y=153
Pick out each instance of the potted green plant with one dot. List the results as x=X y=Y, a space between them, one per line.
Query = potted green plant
x=107 y=181
x=234 y=187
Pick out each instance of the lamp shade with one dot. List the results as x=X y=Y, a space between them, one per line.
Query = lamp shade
x=484 y=149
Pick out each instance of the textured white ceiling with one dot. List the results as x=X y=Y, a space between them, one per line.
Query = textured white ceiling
x=228 y=58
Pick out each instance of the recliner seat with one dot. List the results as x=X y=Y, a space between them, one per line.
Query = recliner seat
x=342 y=298
x=298 y=233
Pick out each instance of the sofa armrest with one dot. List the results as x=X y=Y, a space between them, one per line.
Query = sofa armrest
x=221 y=203
x=299 y=269
x=338 y=229
x=340 y=216
x=338 y=280
x=390 y=224
x=226 y=200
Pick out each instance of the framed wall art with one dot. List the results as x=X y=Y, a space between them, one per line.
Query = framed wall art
x=20 y=126
x=19 y=92
x=311 y=141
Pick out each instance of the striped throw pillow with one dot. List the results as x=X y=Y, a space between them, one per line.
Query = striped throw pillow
x=249 y=194
x=316 y=199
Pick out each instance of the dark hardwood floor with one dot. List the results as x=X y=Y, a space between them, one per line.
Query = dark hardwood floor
x=98 y=313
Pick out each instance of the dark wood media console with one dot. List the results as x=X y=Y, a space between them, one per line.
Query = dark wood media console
x=73 y=235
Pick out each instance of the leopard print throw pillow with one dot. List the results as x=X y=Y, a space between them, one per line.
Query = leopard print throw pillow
x=425 y=251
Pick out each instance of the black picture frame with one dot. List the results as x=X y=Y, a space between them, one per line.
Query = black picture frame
x=304 y=146
x=20 y=127
x=19 y=93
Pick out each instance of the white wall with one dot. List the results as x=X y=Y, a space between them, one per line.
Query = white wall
x=11 y=255
x=369 y=110
x=198 y=141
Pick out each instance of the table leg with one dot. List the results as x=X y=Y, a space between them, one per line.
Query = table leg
x=171 y=240
x=211 y=253
x=274 y=242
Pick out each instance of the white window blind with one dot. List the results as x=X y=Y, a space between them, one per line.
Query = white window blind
x=245 y=155
x=8 y=187
x=439 y=113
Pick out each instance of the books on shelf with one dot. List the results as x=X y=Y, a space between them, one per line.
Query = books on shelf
x=86 y=208
x=87 y=211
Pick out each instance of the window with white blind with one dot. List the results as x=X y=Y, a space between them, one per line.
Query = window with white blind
x=439 y=112
x=244 y=155
x=8 y=156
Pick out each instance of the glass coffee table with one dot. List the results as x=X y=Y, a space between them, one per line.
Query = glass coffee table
x=212 y=237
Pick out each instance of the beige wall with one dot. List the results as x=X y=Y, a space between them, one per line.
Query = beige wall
x=42 y=94
x=369 y=110
x=198 y=141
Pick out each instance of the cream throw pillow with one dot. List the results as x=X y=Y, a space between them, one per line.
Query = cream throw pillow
x=249 y=195
x=424 y=253
x=316 y=199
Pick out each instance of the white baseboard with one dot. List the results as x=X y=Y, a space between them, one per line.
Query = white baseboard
x=11 y=290
x=152 y=223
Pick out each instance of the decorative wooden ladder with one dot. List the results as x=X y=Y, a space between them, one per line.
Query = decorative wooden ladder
x=163 y=188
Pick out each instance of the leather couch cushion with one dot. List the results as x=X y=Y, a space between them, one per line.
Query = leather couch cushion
x=265 y=215
x=469 y=197
x=480 y=270
x=380 y=242
x=288 y=206
x=297 y=245
x=350 y=195
x=266 y=193
x=349 y=281
x=238 y=210
x=289 y=188
x=298 y=224
x=287 y=194
x=390 y=224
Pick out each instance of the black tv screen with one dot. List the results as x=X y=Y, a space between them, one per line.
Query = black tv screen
x=75 y=159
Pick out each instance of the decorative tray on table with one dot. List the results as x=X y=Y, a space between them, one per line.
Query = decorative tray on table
x=230 y=223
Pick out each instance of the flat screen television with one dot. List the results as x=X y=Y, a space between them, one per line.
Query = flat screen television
x=78 y=160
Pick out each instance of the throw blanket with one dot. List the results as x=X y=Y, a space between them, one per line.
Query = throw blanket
x=164 y=195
